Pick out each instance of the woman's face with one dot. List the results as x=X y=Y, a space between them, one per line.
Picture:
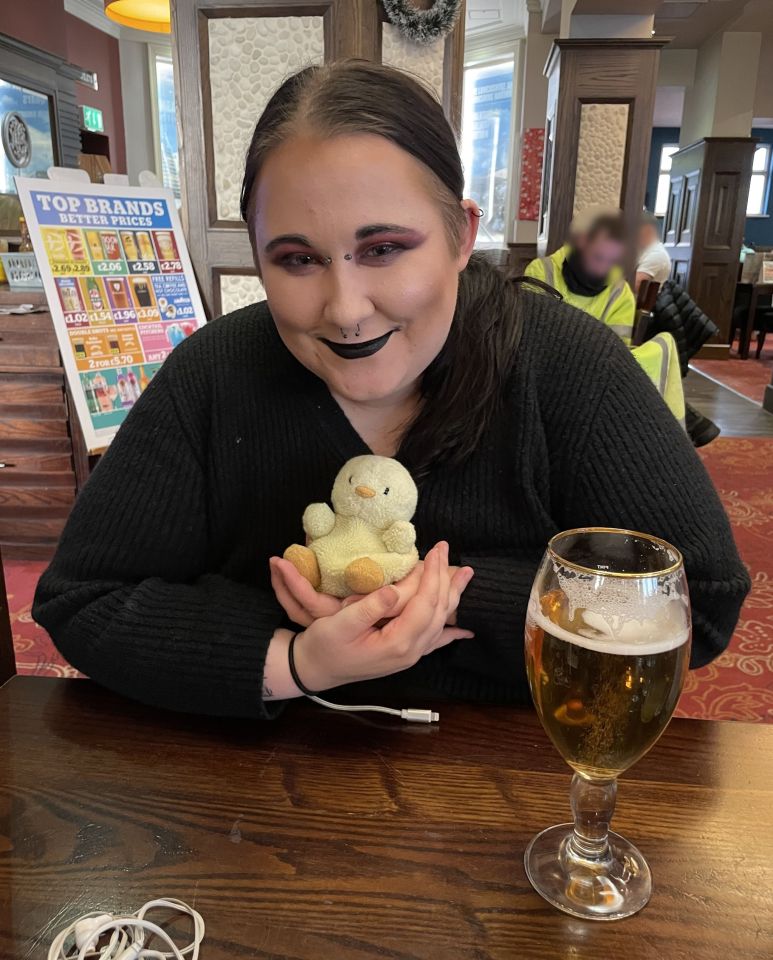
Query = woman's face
x=371 y=321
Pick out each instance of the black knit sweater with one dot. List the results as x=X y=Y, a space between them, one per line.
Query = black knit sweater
x=160 y=585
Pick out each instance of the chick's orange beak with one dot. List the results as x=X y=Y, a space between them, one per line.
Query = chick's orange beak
x=365 y=492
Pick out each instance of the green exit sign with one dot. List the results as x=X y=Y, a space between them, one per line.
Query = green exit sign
x=92 y=119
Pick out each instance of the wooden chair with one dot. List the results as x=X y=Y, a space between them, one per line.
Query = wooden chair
x=645 y=302
x=7 y=658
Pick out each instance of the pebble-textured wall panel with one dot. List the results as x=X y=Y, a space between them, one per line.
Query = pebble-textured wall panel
x=423 y=61
x=249 y=57
x=600 y=155
x=238 y=291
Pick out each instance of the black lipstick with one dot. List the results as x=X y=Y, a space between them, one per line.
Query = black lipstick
x=355 y=351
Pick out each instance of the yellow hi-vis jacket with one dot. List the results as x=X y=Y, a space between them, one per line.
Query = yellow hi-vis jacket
x=615 y=306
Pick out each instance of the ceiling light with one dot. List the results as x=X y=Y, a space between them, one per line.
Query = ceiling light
x=150 y=15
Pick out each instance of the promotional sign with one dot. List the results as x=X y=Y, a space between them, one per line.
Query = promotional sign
x=120 y=288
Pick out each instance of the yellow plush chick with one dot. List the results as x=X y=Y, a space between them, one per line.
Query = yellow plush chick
x=367 y=539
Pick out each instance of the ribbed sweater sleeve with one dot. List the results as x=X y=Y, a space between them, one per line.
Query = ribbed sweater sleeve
x=128 y=598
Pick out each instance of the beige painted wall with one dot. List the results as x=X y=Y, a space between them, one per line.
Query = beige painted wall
x=698 y=117
x=734 y=107
x=763 y=98
x=721 y=101
x=677 y=68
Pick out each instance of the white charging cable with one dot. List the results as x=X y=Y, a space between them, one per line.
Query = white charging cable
x=127 y=935
x=410 y=714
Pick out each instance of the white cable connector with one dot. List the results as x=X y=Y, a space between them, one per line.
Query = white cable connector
x=420 y=716
x=127 y=936
x=411 y=715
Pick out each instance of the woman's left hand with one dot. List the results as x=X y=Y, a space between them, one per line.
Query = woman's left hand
x=300 y=601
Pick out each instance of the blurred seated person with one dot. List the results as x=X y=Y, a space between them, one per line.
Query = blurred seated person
x=588 y=274
x=654 y=262
x=587 y=271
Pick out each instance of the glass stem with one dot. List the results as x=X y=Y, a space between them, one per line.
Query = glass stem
x=593 y=803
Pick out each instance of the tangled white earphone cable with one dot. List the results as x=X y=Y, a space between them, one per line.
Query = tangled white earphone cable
x=80 y=940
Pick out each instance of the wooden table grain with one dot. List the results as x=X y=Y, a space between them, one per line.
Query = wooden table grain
x=328 y=836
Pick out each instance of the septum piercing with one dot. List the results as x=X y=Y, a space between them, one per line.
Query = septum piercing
x=346 y=335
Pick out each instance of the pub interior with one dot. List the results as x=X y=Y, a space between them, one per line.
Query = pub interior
x=386 y=476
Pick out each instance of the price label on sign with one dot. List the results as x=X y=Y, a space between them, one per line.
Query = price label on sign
x=143 y=266
x=171 y=266
x=124 y=315
x=103 y=267
x=69 y=269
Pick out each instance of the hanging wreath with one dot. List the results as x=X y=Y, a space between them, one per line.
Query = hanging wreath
x=422 y=26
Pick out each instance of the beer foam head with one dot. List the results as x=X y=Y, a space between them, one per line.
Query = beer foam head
x=620 y=616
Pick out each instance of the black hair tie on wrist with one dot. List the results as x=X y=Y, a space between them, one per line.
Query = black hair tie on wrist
x=293 y=671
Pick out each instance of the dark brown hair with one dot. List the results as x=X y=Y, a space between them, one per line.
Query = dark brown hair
x=463 y=385
x=610 y=225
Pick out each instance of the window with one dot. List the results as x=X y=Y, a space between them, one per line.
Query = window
x=664 y=178
x=31 y=144
x=487 y=134
x=758 y=187
x=164 y=118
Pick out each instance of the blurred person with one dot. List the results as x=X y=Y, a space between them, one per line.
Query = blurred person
x=654 y=262
x=587 y=271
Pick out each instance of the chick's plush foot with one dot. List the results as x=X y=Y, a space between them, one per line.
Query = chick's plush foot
x=305 y=562
x=364 y=576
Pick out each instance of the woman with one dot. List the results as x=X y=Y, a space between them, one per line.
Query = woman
x=518 y=416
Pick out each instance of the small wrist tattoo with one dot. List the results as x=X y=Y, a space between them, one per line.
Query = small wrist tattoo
x=267 y=691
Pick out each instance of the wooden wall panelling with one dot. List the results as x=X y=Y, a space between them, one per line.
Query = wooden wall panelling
x=707 y=203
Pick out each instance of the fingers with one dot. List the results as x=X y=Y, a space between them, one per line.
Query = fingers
x=289 y=604
x=366 y=613
x=459 y=582
x=297 y=596
x=448 y=635
x=421 y=609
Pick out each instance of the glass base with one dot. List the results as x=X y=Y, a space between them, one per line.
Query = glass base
x=611 y=888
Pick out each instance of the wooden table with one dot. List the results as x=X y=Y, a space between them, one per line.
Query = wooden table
x=327 y=836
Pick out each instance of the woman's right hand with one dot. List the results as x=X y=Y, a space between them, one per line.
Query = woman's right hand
x=349 y=646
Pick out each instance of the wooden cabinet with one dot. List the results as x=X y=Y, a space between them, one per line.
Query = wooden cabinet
x=704 y=224
x=42 y=457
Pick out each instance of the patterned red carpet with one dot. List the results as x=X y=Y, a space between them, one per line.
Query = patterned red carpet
x=747 y=377
x=737 y=686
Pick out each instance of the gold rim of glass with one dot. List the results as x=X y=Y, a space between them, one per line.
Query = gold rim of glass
x=611 y=573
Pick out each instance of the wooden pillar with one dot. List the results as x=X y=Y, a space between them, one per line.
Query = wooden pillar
x=704 y=222
x=601 y=96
